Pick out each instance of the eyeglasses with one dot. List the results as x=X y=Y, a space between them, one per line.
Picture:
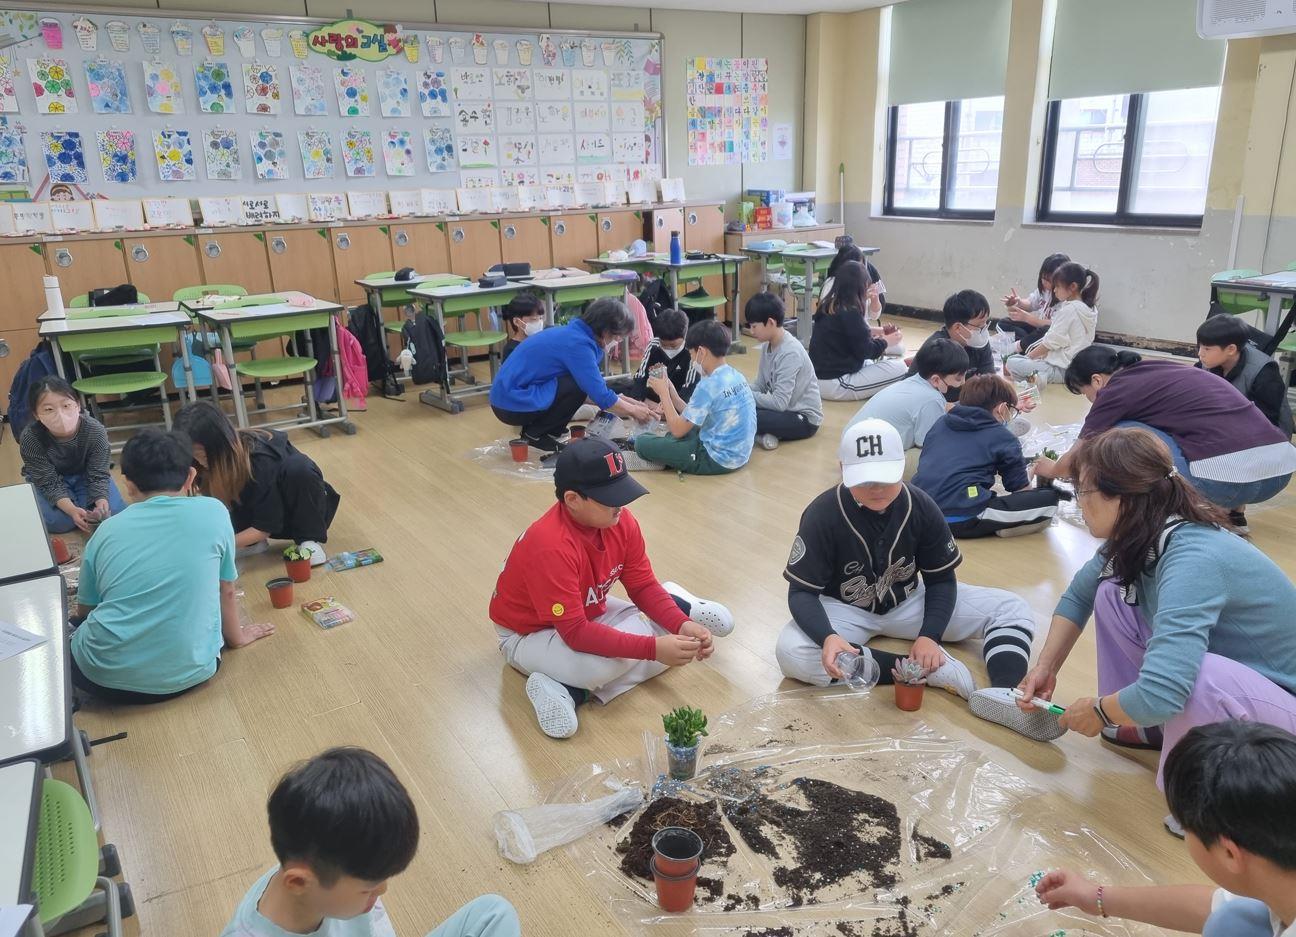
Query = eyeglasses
x=1084 y=492
x=1013 y=413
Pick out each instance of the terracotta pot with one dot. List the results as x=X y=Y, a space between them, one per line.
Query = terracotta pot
x=281 y=592
x=576 y=432
x=61 y=552
x=677 y=851
x=675 y=892
x=520 y=449
x=909 y=696
x=298 y=570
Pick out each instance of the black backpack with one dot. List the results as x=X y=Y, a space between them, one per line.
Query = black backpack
x=366 y=326
x=426 y=342
x=123 y=295
x=39 y=363
x=656 y=297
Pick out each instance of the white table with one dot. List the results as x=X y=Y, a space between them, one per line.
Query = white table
x=35 y=699
x=459 y=300
x=142 y=308
x=24 y=549
x=1276 y=288
x=20 y=797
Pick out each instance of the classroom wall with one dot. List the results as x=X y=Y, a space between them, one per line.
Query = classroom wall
x=685 y=34
x=1155 y=282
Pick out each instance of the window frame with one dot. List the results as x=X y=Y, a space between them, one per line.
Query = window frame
x=1135 y=126
x=949 y=158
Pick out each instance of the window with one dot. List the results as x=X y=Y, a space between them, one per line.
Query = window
x=1133 y=159
x=943 y=158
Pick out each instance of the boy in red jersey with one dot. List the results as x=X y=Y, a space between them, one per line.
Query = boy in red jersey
x=551 y=608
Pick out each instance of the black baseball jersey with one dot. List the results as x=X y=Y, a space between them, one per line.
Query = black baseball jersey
x=867 y=559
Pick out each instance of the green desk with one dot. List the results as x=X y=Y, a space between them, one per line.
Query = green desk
x=380 y=290
x=454 y=300
x=560 y=290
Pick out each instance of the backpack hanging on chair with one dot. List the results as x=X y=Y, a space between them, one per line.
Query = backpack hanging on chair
x=364 y=324
x=656 y=297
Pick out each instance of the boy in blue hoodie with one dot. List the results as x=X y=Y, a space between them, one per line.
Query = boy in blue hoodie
x=964 y=452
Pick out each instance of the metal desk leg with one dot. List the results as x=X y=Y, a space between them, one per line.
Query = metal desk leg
x=336 y=353
x=625 y=342
x=674 y=285
x=58 y=356
x=441 y=400
x=1273 y=318
x=236 y=383
x=735 y=346
x=190 y=391
x=551 y=309
x=80 y=748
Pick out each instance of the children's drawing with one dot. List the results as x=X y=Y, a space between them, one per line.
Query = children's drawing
x=520 y=176
x=398 y=153
x=561 y=175
x=162 y=91
x=589 y=85
x=628 y=147
x=628 y=117
x=548 y=50
x=393 y=93
x=316 y=153
x=357 y=153
x=8 y=93
x=87 y=33
x=310 y=97
x=174 y=155
x=215 y=89
x=593 y=148
x=150 y=38
x=269 y=154
x=440 y=149
x=352 y=91
x=52 y=86
x=182 y=37
x=434 y=92
x=475 y=118
x=517 y=151
x=479 y=178
x=552 y=84
x=514 y=118
x=556 y=149
x=64 y=156
x=52 y=32
x=221 y=154
x=214 y=36
x=118 y=35
x=512 y=83
x=13 y=153
x=245 y=41
x=627 y=85
x=117 y=154
x=106 y=82
x=261 y=88
x=554 y=116
x=590 y=116
x=471 y=84
x=477 y=152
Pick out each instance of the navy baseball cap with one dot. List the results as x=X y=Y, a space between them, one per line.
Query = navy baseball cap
x=596 y=469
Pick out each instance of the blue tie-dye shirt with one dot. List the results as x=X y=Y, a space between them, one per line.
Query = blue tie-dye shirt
x=723 y=409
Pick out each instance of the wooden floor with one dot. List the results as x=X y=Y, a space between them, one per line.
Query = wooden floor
x=418 y=678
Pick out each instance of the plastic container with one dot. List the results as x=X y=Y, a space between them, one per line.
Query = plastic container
x=61 y=552
x=576 y=432
x=520 y=449
x=675 y=892
x=861 y=670
x=281 y=592
x=676 y=249
x=909 y=696
x=681 y=761
x=298 y=570
x=676 y=850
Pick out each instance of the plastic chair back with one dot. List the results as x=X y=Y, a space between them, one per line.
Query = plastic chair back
x=67 y=852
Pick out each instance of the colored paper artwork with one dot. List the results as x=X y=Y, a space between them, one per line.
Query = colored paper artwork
x=589 y=85
x=434 y=93
x=473 y=118
x=310 y=93
x=13 y=153
x=269 y=154
x=727 y=111
x=554 y=116
x=515 y=118
x=357 y=153
x=512 y=83
x=593 y=148
x=64 y=156
x=552 y=84
x=52 y=86
x=627 y=147
x=352 y=91
x=8 y=93
x=398 y=153
x=393 y=93
x=162 y=91
x=520 y=176
x=517 y=151
x=316 y=153
x=106 y=82
x=440 y=149
x=477 y=152
x=117 y=154
x=221 y=154
x=261 y=88
x=215 y=88
x=471 y=84
x=174 y=155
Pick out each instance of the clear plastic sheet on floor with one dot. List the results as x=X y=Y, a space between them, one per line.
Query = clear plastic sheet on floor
x=824 y=823
x=497 y=457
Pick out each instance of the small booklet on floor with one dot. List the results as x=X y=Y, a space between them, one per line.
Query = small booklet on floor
x=327 y=612
x=350 y=560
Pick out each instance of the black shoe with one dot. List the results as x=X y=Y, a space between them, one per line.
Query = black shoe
x=545 y=443
x=1239 y=522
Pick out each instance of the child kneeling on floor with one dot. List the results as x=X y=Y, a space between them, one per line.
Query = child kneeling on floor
x=714 y=432
x=341 y=825
x=964 y=452
x=1232 y=787
x=786 y=390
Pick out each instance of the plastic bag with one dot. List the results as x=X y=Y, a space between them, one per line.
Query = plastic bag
x=524 y=834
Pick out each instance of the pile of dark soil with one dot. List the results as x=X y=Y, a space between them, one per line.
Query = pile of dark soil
x=742 y=902
x=842 y=833
x=703 y=819
x=709 y=889
x=769 y=932
x=929 y=847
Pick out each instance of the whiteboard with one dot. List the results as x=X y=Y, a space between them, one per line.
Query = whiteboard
x=519 y=108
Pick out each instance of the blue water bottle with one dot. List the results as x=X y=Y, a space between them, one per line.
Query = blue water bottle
x=676 y=251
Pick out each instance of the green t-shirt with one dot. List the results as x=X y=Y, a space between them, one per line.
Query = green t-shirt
x=152 y=575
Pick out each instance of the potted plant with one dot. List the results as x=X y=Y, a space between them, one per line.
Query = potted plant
x=684 y=726
x=910 y=680
x=297 y=562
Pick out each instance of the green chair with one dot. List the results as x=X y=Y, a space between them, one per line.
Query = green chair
x=284 y=366
x=397 y=297
x=1235 y=302
x=70 y=892
x=125 y=355
x=109 y=345
x=208 y=340
x=189 y=293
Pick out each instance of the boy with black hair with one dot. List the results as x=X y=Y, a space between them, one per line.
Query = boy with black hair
x=666 y=349
x=1232 y=787
x=786 y=391
x=714 y=432
x=967 y=323
x=157 y=583
x=1224 y=348
x=853 y=575
x=914 y=405
x=341 y=825
x=553 y=615
x=522 y=317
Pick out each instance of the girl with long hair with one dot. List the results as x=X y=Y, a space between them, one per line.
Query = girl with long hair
x=1071 y=329
x=849 y=356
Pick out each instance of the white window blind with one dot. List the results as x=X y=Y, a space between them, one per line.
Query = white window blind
x=948 y=50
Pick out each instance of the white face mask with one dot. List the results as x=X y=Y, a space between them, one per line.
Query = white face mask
x=63 y=421
x=608 y=346
x=533 y=328
x=978 y=338
x=672 y=352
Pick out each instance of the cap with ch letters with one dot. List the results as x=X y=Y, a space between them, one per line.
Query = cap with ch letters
x=596 y=469
x=871 y=453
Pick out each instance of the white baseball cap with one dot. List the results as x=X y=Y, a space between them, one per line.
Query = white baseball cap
x=871 y=452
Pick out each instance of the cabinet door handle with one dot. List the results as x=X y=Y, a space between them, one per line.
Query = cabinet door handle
x=212 y=249
x=139 y=253
x=63 y=257
x=343 y=241
x=402 y=238
x=692 y=217
x=510 y=232
x=559 y=228
x=661 y=222
x=458 y=235
x=278 y=245
x=606 y=224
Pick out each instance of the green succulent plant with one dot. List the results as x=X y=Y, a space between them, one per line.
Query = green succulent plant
x=684 y=726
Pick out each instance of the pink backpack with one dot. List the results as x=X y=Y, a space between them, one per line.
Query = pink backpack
x=642 y=333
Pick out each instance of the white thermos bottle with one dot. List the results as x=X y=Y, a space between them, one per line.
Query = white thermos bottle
x=53 y=296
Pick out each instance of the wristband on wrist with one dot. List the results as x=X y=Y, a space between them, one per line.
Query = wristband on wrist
x=1102 y=912
x=1102 y=714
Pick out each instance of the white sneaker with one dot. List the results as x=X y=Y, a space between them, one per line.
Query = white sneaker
x=252 y=549
x=952 y=676
x=997 y=704
x=710 y=615
x=767 y=441
x=554 y=707
x=584 y=413
x=318 y=557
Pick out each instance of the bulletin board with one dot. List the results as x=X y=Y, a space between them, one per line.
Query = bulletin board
x=129 y=106
x=728 y=111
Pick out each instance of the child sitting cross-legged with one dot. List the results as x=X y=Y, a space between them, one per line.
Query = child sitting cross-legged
x=714 y=432
x=964 y=452
x=1070 y=331
x=666 y=350
x=786 y=390
x=341 y=825
x=1232 y=786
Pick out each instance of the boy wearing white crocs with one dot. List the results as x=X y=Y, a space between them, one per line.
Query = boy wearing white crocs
x=551 y=608
x=853 y=575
